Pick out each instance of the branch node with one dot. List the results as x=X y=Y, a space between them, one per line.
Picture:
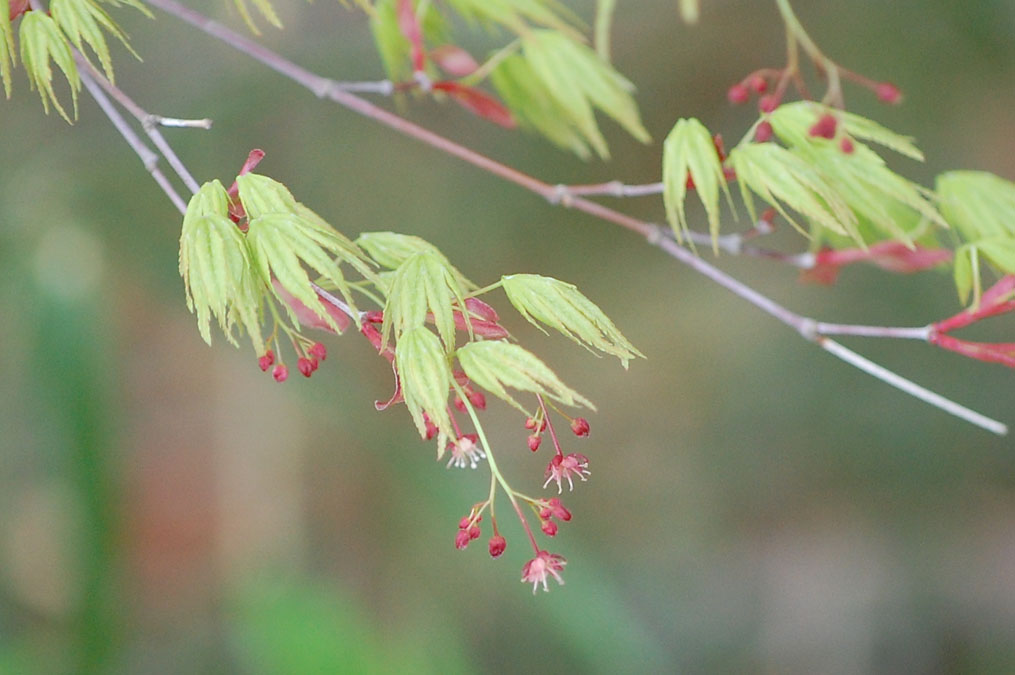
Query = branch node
x=808 y=329
x=560 y=195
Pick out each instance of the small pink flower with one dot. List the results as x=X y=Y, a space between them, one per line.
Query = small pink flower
x=580 y=426
x=465 y=450
x=544 y=565
x=563 y=467
x=552 y=508
x=737 y=94
x=305 y=366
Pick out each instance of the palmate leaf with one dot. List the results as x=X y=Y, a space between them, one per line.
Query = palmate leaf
x=689 y=151
x=780 y=177
x=83 y=22
x=495 y=365
x=562 y=307
x=579 y=82
x=423 y=285
x=791 y=123
x=533 y=105
x=981 y=208
x=424 y=375
x=42 y=42
x=214 y=263
x=391 y=249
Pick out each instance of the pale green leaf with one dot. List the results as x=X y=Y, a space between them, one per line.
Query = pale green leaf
x=261 y=195
x=579 y=81
x=515 y=14
x=393 y=47
x=8 y=58
x=963 y=271
x=423 y=285
x=791 y=123
x=283 y=246
x=424 y=374
x=495 y=365
x=780 y=177
x=42 y=42
x=391 y=249
x=690 y=151
x=562 y=307
x=83 y=22
x=977 y=203
x=264 y=8
x=603 y=26
x=534 y=107
x=218 y=278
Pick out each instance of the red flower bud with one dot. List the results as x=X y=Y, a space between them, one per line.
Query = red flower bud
x=477 y=399
x=758 y=84
x=738 y=94
x=846 y=145
x=459 y=403
x=825 y=127
x=534 y=441
x=280 y=373
x=497 y=545
x=462 y=539
x=530 y=423
x=305 y=366
x=888 y=93
x=318 y=351
x=763 y=132
x=580 y=426
x=768 y=103
x=266 y=361
x=463 y=524
x=474 y=532
x=549 y=528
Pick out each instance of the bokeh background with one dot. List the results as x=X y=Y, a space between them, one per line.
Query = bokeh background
x=755 y=505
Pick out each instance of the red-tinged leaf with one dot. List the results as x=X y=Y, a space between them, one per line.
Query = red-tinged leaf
x=454 y=60
x=408 y=23
x=488 y=329
x=307 y=316
x=482 y=310
x=373 y=335
x=1003 y=353
x=995 y=300
x=17 y=8
x=892 y=256
x=479 y=102
x=396 y=397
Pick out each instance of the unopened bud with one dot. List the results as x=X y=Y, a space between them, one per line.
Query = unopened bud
x=534 y=441
x=888 y=93
x=763 y=132
x=758 y=84
x=318 y=351
x=280 y=373
x=549 y=528
x=266 y=361
x=474 y=532
x=580 y=426
x=738 y=94
x=497 y=545
x=462 y=539
x=768 y=103
x=846 y=145
x=825 y=127
x=305 y=366
x=477 y=399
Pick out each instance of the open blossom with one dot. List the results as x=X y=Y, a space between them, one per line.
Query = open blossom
x=564 y=467
x=544 y=565
x=464 y=451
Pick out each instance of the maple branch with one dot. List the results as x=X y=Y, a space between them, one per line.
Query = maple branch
x=655 y=235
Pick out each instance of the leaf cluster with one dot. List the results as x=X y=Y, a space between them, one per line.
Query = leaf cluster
x=51 y=39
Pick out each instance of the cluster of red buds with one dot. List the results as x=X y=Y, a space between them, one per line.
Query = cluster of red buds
x=307 y=363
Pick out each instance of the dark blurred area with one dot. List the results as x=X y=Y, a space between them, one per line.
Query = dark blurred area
x=754 y=506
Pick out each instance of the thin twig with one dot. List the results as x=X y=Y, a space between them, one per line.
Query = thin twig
x=654 y=234
x=148 y=121
x=147 y=156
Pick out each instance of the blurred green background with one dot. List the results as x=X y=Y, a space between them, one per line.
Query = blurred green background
x=755 y=505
